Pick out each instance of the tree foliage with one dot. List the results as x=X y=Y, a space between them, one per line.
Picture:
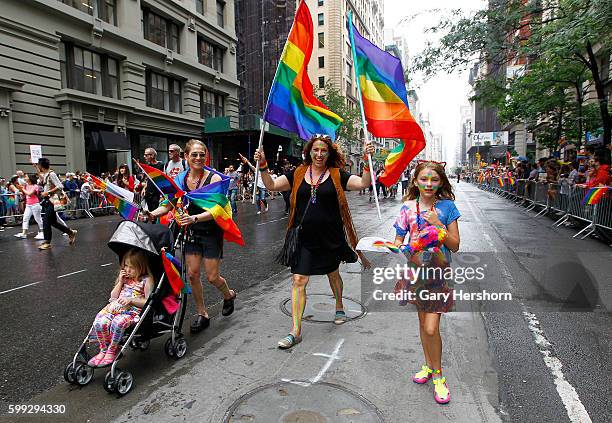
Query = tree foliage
x=348 y=133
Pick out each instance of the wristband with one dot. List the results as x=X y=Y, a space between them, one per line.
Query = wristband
x=263 y=166
x=366 y=168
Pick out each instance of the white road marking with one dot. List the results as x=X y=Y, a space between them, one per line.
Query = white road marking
x=106 y=264
x=71 y=273
x=570 y=398
x=330 y=359
x=272 y=221
x=20 y=287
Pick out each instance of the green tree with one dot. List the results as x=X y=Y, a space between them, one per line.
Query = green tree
x=348 y=133
x=560 y=40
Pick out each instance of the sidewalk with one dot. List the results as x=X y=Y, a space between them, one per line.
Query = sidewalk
x=358 y=372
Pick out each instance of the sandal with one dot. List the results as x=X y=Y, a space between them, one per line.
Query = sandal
x=441 y=392
x=340 y=317
x=228 y=306
x=289 y=341
x=199 y=324
x=423 y=375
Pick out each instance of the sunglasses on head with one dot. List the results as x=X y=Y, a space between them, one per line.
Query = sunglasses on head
x=321 y=137
x=443 y=164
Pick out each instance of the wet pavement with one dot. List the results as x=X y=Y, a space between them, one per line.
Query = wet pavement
x=530 y=361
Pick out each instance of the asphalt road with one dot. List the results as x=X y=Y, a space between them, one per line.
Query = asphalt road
x=550 y=348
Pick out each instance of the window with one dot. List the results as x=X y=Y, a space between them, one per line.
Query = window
x=349 y=87
x=212 y=104
x=321 y=19
x=88 y=71
x=101 y=9
x=220 y=13
x=199 y=6
x=321 y=37
x=320 y=2
x=160 y=30
x=321 y=61
x=163 y=92
x=321 y=82
x=210 y=54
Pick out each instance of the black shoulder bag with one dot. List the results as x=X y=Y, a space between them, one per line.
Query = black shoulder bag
x=288 y=255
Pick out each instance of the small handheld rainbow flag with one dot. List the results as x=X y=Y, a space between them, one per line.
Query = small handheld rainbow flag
x=172 y=267
x=126 y=209
x=113 y=189
x=511 y=180
x=163 y=182
x=391 y=246
x=594 y=195
x=500 y=180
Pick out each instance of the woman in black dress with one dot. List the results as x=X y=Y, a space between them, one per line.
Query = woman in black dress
x=326 y=224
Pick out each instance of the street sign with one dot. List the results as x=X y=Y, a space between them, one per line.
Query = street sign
x=490 y=138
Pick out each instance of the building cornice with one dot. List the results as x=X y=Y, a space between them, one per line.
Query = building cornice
x=10 y=85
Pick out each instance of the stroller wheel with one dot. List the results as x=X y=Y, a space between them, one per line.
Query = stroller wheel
x=69 y=375
x=124 y=382
x=180 y=348
x=83 y=374
x=109 y=383
x=169 y=348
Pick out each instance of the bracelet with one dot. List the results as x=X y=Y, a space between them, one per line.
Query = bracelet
x=263 y=167
x=366 y=168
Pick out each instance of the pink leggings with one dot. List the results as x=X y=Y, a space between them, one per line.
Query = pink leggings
x=111 y=327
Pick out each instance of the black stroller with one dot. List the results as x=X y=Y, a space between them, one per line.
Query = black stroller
x=154 y=321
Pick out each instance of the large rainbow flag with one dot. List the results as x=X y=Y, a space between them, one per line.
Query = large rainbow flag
x=292 y=104
x=385 y=104
x=594 y=195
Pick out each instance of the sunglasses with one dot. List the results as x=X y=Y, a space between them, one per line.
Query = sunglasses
x=321 y=137
x=197 y=155
x=443 y=164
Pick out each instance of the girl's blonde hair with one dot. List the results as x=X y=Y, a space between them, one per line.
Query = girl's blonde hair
x=445 y=192
x=138 y=260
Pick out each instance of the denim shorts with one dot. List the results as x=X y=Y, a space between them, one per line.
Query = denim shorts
x=207 y=246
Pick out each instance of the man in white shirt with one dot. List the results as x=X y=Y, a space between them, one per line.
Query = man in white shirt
x=175 y=165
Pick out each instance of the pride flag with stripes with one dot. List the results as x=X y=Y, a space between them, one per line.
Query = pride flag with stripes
x=113 y=189
x=126 y=209
x=594 y=195
x=213 y=199
x=385 y=105
x=500 y=180
x=172 y=268
x=165 y=184
x=292 y=104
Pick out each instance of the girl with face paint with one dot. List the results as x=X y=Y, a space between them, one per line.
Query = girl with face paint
x=429 y=208
x=328 y=237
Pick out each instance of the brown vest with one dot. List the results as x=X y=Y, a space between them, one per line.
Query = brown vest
x=345 y=213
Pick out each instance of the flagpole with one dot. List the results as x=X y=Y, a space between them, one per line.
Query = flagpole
x=363 y=119
x=263 y=122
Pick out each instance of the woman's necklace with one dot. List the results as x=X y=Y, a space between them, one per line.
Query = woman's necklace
x=313 y=188
x=419 y=219
x=192 y=180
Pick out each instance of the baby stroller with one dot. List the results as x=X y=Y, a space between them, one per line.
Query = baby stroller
x=154 y=320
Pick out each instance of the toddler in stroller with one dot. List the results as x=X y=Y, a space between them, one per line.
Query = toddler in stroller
x=144 y=304
x=132 y=288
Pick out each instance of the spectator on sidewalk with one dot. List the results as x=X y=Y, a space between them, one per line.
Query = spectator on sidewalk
x=51 y=187
x=151 y=194
x=601 y=172
x=3 y=202
x=124 y=179
x=33 y=208
x=175 y=165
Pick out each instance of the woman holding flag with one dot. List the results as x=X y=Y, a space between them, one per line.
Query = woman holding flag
x=204 y=241
x=319 y=205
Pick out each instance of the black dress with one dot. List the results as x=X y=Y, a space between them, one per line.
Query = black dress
x=322 y=240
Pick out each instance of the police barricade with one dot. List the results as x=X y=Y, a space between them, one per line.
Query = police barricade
x=10 y=212
x=603 y=212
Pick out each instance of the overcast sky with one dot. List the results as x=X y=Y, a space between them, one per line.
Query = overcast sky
x=442 y=95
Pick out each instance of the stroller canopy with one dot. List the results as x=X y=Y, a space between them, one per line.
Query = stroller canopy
x=145 y=236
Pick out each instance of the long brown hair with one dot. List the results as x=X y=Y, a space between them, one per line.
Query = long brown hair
x=445 y=192
x=335 y=158
x=138 y=260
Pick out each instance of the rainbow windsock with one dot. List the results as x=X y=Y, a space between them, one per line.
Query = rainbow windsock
x=165 y=184
x=386 y=244
x=126 y=209
x=594 y=195
x=213 y=199
x=113 y=189
x=172 y=268
x=292 y=104
x=385 y=105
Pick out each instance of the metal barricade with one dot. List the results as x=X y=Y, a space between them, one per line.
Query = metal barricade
x=603 y=215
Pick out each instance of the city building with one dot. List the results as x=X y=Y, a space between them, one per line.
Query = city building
x=95 y=82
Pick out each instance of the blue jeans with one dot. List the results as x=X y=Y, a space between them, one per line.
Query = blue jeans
x=232 y=195
x=261 y=198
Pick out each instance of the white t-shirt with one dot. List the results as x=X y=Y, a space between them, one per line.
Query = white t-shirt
x=174 y=168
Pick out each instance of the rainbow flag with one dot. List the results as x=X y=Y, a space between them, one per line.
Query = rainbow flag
x=113 y=189
x=172 y=268
x=391 y=246
x=500 y=180
x=594 y=195
x=213 y=199
x=385 y=104
x=511 y=180
x=126 y=209
x=292 y=104
x=165 y=184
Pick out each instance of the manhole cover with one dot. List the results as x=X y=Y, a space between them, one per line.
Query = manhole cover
x=320 y=308
x=292 y=403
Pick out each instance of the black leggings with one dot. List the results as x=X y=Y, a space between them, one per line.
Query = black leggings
x=50 y=219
